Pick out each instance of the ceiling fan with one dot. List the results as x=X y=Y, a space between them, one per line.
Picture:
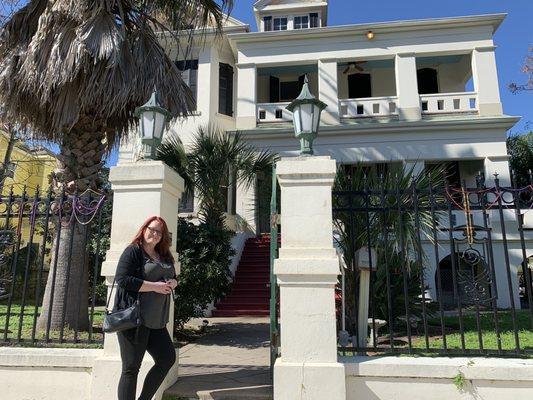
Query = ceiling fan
x=353 y=67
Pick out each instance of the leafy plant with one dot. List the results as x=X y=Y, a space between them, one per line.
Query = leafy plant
x=389 y=210
x=205 y=254
x=216 y=162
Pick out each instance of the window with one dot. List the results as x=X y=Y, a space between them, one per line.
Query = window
x=427 y=81
x=11 y=167
x=288 y=91
x=225 y=89
x=301 y=22
x=189 y=74
x=313 y=19
x=267 y=24
x=359 y=86
x=280 y=24
x=186 y=203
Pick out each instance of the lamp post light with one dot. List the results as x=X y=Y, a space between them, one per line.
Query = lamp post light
x=153 y=119
x=306 y=110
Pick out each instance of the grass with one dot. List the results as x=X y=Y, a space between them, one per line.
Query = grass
x=70 y=339
x=487 y=326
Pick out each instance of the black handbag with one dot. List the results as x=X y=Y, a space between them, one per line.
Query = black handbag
x=121 y=320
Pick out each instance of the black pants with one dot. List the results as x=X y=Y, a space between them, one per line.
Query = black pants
x=159 y=345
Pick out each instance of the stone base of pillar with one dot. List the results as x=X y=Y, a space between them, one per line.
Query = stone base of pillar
x=309 y=381
x=106 y=374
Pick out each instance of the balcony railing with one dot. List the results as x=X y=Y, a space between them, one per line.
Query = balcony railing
x=368 y=107
x=442 y=103
x=273 y=112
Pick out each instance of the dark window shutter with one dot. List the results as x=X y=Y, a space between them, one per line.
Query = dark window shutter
x=313 y=20
x=301 y=80
x=189 y=69
x=274 y=89
x=225 y=89
x=267 y=23
x=359 y=85
x=427 y=81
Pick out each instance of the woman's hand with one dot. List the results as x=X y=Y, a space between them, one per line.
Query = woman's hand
x=160 y=287
x=173 y=283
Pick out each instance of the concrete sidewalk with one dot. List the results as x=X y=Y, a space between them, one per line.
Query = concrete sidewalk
x=230 y=363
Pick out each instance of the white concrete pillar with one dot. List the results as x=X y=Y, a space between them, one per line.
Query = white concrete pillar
x=140 y=190
x=245 y=207
x=207 y=82
x=246 y=96
x=485 y=77
x=307 y=271
x=407 y=87
x=328 y=92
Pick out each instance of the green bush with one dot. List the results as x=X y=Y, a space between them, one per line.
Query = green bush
x=205 y=254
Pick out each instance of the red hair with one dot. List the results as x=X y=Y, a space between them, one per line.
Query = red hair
x=163 y=246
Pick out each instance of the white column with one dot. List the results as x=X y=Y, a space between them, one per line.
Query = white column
x=246 y=96
x=140 y=190
x=485 y=77
x=307 y=271
x=416 y=165
x=407 y=87
x=245 y=208
x=500 y=165
x=328 y=92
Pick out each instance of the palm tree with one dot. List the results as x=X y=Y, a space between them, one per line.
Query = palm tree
x=215 y=162
x=389 y=222
x=73 y=72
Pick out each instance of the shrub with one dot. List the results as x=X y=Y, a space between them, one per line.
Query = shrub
x=205 y=254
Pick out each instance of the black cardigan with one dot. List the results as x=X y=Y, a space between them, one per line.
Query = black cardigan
x=129 y=276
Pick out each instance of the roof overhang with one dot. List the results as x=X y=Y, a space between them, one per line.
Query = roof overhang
x=493 y=20
x=504 y=122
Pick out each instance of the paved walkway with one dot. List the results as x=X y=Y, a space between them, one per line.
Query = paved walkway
x=230 y=363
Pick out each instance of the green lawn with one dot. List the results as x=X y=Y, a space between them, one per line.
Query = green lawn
x=488 y=332
x=40 y=337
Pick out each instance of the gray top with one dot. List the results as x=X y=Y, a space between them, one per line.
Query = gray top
x=155 y=306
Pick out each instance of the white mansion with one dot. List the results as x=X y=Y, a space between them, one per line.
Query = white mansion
x=417 y=92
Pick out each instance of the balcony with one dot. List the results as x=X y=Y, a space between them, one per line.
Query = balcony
x=273 y=112
x=443 y=103
x=370 y=107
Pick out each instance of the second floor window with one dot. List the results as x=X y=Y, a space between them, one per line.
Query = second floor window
x=189 y=74
x=301 y=22
x=267 y=24
x=225 y=89
x=313 y=20
x=280 y=24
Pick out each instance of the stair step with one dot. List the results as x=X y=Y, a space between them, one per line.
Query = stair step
x=241 y=306
x=245 y=300
x=238 y=313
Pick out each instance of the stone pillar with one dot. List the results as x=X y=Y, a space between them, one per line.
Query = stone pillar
x=485 y=77
x=307 y=271
x=246 y=96
x=407 y=87
x=328 y=92
x=140 y=190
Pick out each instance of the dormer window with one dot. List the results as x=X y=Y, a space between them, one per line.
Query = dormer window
x=301 y=22
x=267 y=23
x=313 y=18
x=280 y=24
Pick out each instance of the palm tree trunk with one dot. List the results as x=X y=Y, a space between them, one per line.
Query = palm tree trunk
x=65 y=302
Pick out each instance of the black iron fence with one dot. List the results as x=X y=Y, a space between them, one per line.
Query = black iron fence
x=51 y=248
x=434 y=268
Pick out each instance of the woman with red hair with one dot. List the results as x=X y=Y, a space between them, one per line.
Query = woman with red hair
x=146 y=269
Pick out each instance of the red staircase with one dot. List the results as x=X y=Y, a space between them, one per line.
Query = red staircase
x=250 y=294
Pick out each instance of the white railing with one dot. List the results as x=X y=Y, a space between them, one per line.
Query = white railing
x=273 y=112
x=368 y=107
x=440 y=103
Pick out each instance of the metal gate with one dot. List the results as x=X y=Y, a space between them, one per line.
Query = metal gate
x=274 y=321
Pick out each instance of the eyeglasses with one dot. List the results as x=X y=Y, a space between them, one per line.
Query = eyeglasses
x=154 y=231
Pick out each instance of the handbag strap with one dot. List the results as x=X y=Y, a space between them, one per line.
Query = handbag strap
x=113 y=286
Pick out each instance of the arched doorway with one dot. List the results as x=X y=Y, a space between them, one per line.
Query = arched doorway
x=472 y=280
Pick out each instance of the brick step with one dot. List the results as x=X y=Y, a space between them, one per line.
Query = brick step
x=241 y=306
x=254 y=291
x=239 y=313
x=245 y=300
x=251 y=286
x=252 y=273
x=255 y=268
